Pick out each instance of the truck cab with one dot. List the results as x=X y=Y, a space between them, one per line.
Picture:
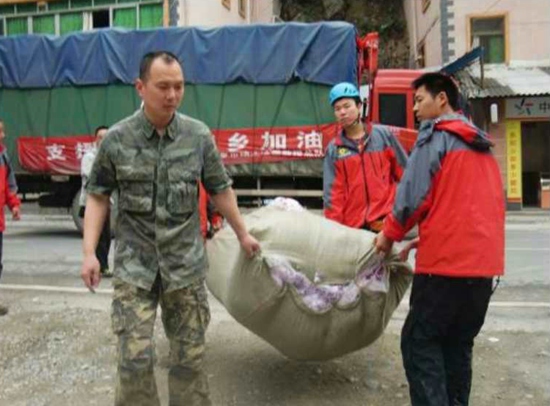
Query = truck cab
x=391 y=103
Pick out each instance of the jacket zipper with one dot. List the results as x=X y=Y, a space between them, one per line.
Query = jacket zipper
x=366 y=185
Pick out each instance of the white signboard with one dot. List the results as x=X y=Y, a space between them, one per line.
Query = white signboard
x=528 y=107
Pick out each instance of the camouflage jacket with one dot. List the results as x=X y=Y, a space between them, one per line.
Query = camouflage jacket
x=157 y=228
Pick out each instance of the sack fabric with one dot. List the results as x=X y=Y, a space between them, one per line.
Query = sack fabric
x=332 y=258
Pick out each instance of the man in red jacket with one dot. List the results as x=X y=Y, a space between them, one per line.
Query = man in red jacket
x=8 y=197
x=452 y=187
x=362 y=166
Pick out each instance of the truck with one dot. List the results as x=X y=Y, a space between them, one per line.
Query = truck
x=262 y=89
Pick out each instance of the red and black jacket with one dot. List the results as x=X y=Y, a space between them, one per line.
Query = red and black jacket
x=453 y=188
x=359 y=180
x=8 y=187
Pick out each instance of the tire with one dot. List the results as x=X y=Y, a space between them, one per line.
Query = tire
x=75 y=209
x=79 y=221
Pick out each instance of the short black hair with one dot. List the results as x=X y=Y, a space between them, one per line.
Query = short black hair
x=98 y=129
x=149 y=58
x=435 y=83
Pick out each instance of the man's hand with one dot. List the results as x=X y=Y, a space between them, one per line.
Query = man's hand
x=404 y=253
x=16 y=213
x=90 y=272
x=382 y=244
x=250 y=245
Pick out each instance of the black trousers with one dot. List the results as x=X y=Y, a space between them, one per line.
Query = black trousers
x=104 y=243
x=445 y=316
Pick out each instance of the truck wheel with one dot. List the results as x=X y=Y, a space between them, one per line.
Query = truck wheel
x=75 y=208
x=79 y=222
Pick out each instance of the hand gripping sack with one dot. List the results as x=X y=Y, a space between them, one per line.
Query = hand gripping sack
x=317 y=290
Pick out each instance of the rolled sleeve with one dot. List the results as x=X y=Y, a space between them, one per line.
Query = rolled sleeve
x=214 y=175
x=102 y=179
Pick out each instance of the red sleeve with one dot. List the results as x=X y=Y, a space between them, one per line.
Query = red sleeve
x=334 y=188
x=203 y=203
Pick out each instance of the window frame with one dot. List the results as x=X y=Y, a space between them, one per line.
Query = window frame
x=505 y=32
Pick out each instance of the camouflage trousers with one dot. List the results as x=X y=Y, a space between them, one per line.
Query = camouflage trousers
x=185 y=316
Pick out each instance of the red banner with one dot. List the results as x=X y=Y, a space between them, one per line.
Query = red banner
x=265 y=145
x=62 y=155
x=53 y=155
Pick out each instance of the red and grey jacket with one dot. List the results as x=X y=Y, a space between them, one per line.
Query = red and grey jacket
x=359 y=180
x=8 y=187
x=453 y=188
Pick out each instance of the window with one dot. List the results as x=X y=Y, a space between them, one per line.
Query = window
x=150 y=15
x=81 y=4
x=227 y=4
x=425 y=5
x=58 y=5
x=23 y=8
x=6 y=9
x=66 y=16
x=393 y=109
x=100 y=19
x=17 y=25
x=242 y=8
x=125 y=17
x=70 y=22
x=490 y=34
x=43 y=24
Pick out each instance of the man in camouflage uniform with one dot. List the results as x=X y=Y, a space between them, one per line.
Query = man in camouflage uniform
x=155 y=159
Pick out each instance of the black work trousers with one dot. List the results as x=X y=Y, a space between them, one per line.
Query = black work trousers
x=445 y=316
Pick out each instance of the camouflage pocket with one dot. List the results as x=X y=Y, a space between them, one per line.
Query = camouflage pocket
x=136 y=186
x=182 y=191
x=133 y=309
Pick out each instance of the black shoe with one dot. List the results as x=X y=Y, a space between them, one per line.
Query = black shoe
x=106 y=273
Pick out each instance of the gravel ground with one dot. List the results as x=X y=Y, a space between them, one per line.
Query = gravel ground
x=57 y=349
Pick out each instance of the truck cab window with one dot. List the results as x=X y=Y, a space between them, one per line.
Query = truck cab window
x=393 y=109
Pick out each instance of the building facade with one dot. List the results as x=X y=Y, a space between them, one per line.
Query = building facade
x=225 y=12
x=509 y=90
x=59 y=17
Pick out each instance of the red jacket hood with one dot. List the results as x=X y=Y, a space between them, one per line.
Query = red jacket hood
x=458 y=126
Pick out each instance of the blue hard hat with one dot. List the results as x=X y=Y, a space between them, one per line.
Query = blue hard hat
x=341 y=90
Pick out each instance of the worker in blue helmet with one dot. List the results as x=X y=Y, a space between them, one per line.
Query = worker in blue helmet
x=362 y=165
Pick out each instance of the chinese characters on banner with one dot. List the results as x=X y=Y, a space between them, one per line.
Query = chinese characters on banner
x=54 y=155
x=263 y=145
x=62 y=155
x=513 y=146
